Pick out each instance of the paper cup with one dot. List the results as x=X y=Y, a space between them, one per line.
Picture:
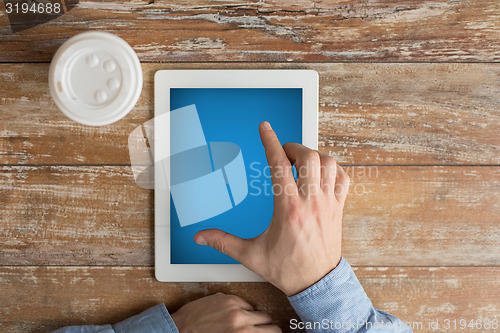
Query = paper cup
x=95 y=78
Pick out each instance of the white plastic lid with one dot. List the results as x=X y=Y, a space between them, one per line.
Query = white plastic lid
x=95 y=78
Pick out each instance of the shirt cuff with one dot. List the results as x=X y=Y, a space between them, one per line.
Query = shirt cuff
x=153 y=320
x=338 y=298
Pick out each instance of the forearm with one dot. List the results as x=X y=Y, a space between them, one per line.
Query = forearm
x=338 y=303
x=154 y=320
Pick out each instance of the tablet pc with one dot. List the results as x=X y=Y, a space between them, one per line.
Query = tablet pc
x=210 y=166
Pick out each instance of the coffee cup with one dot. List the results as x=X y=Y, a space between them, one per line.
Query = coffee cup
x=95 y=78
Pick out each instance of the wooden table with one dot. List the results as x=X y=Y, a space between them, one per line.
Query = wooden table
x=409 y=104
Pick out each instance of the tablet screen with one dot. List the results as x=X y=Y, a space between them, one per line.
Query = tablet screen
x=233 y=115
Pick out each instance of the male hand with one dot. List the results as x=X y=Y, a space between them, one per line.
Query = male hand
x=303 y=241
x=222 y=313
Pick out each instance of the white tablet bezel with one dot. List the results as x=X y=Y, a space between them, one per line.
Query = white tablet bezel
x=307 y=80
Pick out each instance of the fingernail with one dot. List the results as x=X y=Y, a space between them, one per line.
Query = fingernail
x=201 y=240
x=266 y=125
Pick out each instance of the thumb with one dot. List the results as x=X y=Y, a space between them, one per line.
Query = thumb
x=222 y=241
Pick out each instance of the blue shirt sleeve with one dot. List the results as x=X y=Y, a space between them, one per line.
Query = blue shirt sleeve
x=337 y=303
x=154 y=320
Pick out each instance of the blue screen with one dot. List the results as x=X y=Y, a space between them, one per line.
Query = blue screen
x=234 y=115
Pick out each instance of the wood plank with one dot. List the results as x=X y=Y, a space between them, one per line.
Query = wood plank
x=437 y=114
x=60 y=296
x=395 y=216
x=75 y=215
x=349 y=30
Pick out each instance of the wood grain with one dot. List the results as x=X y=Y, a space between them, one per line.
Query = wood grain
x=75 y=216
x=438 y=114
x=41 y=299
x=349 y=30
x=395 y=216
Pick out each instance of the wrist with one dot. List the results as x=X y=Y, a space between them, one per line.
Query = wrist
x=177 y=318
x=305 y=281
